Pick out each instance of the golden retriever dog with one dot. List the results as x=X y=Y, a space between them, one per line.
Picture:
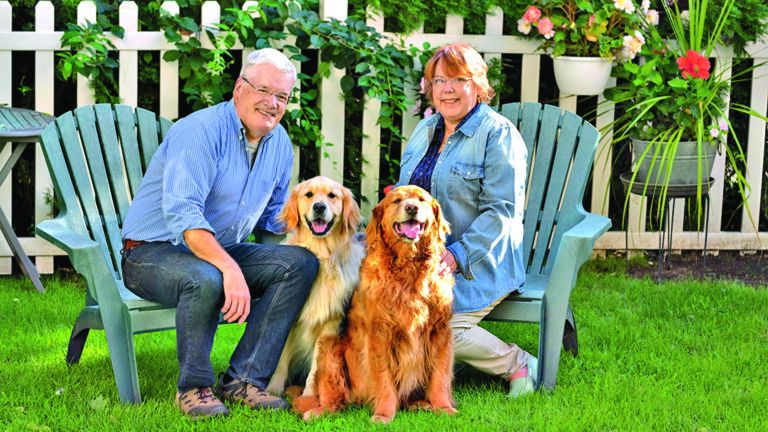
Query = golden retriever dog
x=397 y=348
x=322 y=216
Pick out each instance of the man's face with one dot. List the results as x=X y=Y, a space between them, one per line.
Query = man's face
x=260 y=99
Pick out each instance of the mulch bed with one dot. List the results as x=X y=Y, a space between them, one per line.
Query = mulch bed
x=752 y=269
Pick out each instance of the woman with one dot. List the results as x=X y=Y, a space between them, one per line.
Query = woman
x=473 y=160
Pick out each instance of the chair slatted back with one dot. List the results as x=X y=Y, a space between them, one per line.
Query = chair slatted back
x=561 y=148
x=97 y=155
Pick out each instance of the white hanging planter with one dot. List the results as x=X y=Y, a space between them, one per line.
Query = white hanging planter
x=583 y=76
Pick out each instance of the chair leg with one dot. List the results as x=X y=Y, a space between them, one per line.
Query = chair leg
x=570 y=337
x=550 y=341
x=117 y=326
x=76 y=345
x=88 y=319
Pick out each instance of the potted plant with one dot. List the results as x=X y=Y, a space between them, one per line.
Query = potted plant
x=675 y=105
x=584 y=37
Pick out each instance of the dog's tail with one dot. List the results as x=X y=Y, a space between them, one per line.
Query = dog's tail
x=332 y=382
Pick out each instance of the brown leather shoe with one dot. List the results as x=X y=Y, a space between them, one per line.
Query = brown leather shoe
x=200 y=402
x=234 y=390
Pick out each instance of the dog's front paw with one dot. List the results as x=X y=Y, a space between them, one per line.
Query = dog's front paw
x=447 y=410
x=382 y=418
x=420 y=405
x=313 y=414
x=294 y=391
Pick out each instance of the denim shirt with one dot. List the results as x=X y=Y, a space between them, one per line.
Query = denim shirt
x=479 y=181
x=201 y=178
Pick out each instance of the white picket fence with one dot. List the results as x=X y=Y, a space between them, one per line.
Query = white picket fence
x=44 y=41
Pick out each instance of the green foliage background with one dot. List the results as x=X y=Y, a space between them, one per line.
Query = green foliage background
x=207 y=76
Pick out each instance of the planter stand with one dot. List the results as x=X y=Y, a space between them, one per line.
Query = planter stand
x=673 y=191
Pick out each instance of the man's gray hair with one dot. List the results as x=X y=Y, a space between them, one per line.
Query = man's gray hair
x=269 y=56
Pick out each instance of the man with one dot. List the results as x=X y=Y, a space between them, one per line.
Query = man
x=221 y=172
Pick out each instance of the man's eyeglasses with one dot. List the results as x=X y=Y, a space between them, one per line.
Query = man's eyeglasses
x=455 y=82
x=282 y=98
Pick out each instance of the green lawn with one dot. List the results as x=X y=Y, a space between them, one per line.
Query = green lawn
x=680 y=356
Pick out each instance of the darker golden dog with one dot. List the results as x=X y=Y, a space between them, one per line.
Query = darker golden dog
x=396 y=351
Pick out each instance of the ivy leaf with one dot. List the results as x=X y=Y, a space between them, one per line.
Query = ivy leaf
x=361 y=68
x=66 y=70
x=189 y=24
x=172 y=55
x=347 y=83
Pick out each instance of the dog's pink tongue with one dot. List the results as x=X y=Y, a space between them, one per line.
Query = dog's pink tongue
x=410 y=229
x=319 y=226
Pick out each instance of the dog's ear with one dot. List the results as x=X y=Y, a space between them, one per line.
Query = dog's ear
x=351 y=212
x=373 y=231
x=442 y=226
x=290 y=214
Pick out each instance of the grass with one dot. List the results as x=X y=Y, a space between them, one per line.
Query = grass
x=680 y=356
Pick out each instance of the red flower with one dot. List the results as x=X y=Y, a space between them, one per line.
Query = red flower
x=694 y=65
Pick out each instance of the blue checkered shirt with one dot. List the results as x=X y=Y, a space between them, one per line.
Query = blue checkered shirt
x=200 y=178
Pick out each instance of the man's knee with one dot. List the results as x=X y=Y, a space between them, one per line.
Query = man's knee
x=303 y=261
x=205 y=282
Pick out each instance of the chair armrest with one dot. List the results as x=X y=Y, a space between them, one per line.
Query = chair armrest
x=575 y=249
x=87 y=257
x=57 y=232
x=585 y=233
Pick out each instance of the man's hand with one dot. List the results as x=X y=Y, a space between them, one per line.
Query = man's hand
x=237 y=297
x=447 y=263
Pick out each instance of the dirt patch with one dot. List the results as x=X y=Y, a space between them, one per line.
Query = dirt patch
x=752 y=269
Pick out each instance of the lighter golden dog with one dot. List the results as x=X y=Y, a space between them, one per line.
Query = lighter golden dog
x=321 y=216
x=397 y=349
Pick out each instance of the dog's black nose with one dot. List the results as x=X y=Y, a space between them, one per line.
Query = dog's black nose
x=318 y=207
x=411 y=209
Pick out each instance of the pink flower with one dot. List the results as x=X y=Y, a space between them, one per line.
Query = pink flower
x=428 y=112
x=624 y=5
x=714 y=132
x=546 y=28
x=652 y=16
x=532 y=14
x=694 y=65
x=591 y=20
x=722 y=124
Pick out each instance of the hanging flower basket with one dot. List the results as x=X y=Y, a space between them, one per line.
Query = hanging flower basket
x=583 y=76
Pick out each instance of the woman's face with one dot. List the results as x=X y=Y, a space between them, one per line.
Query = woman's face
x=452 y=96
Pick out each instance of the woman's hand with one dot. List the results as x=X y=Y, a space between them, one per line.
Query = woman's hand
x=447 y=263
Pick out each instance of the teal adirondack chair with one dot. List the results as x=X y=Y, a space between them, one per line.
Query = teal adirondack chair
x=97 y=156
x=559 y=233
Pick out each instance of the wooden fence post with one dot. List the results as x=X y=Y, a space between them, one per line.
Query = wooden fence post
x=169 y=75
x=44 y=102
x=331 y=105
x=86 y=13
x=129 y=58
x=6 y=86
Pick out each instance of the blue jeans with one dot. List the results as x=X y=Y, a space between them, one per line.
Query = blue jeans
x=279 y=278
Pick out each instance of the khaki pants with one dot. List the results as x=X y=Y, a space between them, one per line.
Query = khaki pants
x=482 y=350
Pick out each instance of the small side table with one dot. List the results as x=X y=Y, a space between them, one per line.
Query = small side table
x=673 y=191
x=19 y=127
